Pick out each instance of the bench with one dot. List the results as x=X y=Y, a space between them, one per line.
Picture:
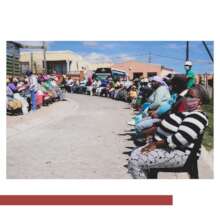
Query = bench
x=191 y=165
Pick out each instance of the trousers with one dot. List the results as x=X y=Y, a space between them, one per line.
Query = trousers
x=33 y=100
x=158 y=158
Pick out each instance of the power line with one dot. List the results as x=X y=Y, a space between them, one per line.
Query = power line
x=208 y=51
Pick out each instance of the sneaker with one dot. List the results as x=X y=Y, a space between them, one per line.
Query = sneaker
x=141 y=139
x=132 y=123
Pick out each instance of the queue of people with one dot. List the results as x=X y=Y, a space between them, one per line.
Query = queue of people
x=31 y=92
x=168 y=115
x=168 y=124
x=113 y=88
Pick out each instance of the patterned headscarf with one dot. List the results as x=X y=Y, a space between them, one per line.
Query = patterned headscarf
x=195 y=97
x=160 y=80
x=200 y=92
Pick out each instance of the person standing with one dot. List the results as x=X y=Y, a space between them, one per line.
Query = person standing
x=190 y=75
x=33 y=86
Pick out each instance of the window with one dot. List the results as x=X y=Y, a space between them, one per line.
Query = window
x=137 y=75
x=151 y=74
x=24 y=67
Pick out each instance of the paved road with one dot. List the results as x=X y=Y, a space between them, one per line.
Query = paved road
x=78 y=138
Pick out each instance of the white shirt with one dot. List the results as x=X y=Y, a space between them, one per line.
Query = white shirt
x=33 y=84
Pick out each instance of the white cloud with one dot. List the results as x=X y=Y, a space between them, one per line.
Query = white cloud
x=100 y=44
x=201 y=61
x=106 y=45
x=175 y=46
x=103 y=58
x=123 y=58
x=97 y=58
x=90 y=43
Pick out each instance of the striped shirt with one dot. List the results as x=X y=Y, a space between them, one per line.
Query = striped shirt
x=180 y=130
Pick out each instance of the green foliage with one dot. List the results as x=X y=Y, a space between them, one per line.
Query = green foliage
x=208 y=136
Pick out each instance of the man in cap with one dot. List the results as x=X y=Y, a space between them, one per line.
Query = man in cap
x=191 y=79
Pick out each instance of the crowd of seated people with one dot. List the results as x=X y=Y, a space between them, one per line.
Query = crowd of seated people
x=30 y=92
x=118 y=88
x=168 y=119
x=167 y=125
x=168 y=115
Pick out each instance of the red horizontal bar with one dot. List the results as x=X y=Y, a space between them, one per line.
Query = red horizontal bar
x=86 y=200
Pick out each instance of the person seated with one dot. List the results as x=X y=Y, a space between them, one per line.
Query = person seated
x=160 y=96
x=12 y=84
x=11 y=105
x=104 y=91
x=69 y=85
x=128 y=84
x=47 y=99
x=123 y=94
x=120 y=92
x=9 y=91
x=75 y=87
x=40 y=98
x=161 y=93
x=51 y=91
x=111 y=89
x=20 y=95
x=132 y=94
x=179 y=85
x=16 y=103
x=117 y=88
x=145 y=90
x=101 y=85
x=82 y=86
x=14 y=107
x=94 y=86
x=57 y=89
x=173 y=140
x=136 y=104
x=62 y=82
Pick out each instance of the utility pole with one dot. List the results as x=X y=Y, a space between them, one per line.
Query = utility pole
x=13 y=65
x=44 y=48
x=149 y=57
x=187 y=50
x=45 y=59
x=32 y=61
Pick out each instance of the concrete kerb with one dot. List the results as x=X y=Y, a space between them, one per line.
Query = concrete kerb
x=207 y=156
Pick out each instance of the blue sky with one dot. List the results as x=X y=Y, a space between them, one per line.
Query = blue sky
x=168 y=53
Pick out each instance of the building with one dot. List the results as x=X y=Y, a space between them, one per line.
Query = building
x=137 y=69
x=94 y=66
x=63 y=62
x=13 y=54
x=68 y=62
